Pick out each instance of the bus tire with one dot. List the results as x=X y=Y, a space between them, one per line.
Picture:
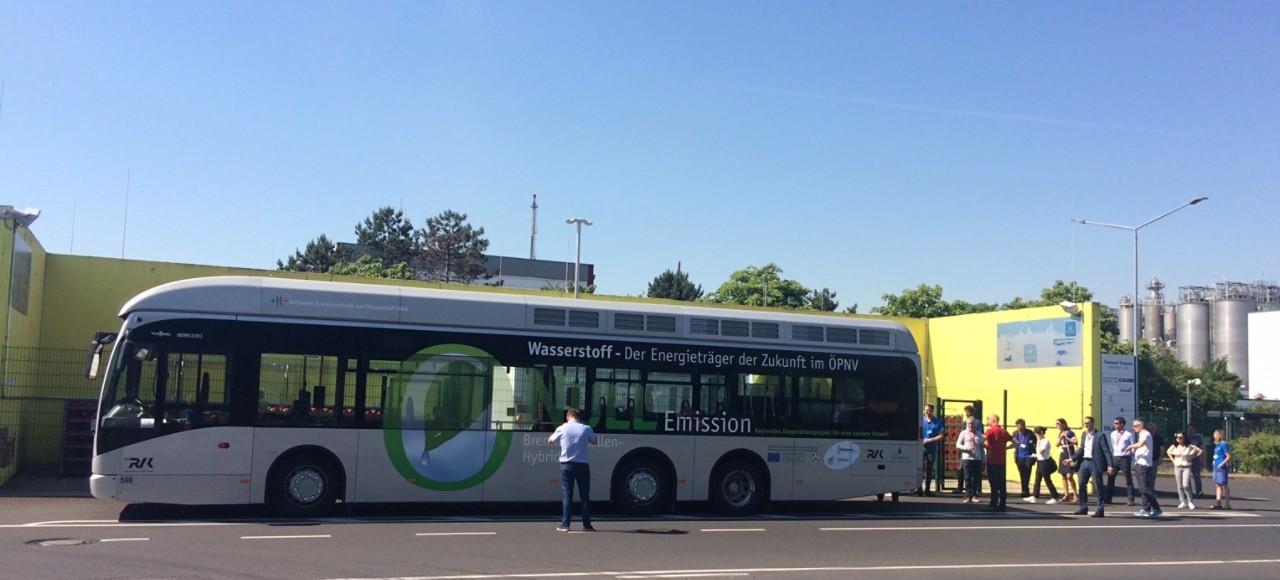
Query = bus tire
x=641 y=487
x=304 y=486
x=738 y=488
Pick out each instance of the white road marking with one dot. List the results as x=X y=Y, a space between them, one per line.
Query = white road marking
x=749 y=571
x=713 y=530
x=299 y=537
x=456 y=534
x=125 y=540
x=1146 y=525
x=115 y=524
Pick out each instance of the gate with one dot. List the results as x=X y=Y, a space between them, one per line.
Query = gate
x=952 y=413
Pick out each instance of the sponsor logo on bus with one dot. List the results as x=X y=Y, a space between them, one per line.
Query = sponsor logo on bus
x=139 y=464
x=841 y=455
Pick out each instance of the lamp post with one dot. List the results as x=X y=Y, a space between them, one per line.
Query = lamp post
x=1135 y=229
x=1196 y=382
x=577 y=262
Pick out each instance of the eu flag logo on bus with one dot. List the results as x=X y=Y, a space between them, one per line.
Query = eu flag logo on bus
x=774 y=457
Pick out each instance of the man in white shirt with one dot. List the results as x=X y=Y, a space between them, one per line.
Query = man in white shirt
x=1144 y=453
x=1121 y=438
x=574 y=437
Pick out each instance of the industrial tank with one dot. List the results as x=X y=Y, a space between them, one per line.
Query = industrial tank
x=1170 y=322
x=1125 y=318
x=1153 y=313
x=1231 y=307
x=1193 y=326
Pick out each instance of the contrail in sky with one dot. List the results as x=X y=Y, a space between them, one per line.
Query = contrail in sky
x=954 y=112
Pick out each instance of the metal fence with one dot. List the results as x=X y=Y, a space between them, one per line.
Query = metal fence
x=47 y=409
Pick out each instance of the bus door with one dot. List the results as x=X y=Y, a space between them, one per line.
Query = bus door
x=952 y=413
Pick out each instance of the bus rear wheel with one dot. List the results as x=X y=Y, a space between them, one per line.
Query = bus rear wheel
x=304 y=486
x=737 y=488
x=641 y=487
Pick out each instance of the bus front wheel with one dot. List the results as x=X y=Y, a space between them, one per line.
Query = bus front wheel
x=304 y=486
x=738 y=488
x=641 y=487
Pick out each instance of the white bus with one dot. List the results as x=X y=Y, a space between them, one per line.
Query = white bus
x=300 y=394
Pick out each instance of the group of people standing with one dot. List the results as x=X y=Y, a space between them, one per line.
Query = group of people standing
x=1082 y=459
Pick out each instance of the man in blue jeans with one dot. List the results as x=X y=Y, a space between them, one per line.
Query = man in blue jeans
x=574 y=438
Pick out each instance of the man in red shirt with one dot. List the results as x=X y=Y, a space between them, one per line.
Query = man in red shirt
x=998 y=441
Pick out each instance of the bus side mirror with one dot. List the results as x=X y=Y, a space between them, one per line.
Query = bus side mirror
x=100 y=340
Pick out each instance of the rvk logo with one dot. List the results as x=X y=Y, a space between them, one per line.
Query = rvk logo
x=875 y=454
x=139 y=463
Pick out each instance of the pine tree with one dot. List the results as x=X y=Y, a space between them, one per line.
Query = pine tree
x=674 y=286
x=320 y=255
x=451 y=250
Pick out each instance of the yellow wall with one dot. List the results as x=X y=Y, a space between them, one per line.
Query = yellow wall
x=963 y=359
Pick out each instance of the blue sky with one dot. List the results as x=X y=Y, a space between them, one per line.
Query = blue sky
x=865 y=147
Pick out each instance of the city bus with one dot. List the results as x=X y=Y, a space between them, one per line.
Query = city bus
x=302 y=394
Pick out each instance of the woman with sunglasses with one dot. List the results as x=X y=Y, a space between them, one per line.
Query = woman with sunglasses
x=1182 y=454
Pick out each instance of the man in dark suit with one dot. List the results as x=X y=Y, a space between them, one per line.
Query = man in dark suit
x=1092 y=458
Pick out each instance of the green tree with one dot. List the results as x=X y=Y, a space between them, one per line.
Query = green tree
x=1219 y=388
x=320 y=255
x=823 y=300
x=1058 y=293
x=370 y=267
x=1162 y=380
x=761 y=287
x=388 y=236
x=924 y=301
x=452 y=251
x=852 y=309
x=962 y=307
x=674 y=286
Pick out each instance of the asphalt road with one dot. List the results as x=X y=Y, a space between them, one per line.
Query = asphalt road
x=917 y=538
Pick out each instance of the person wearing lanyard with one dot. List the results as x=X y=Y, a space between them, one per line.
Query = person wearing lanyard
x=1094 y=458
x=574 y=437
x=1025 y=456
x=1121 y=439
x=931 y=427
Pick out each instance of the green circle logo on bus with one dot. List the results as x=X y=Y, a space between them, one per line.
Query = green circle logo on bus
x=436 y=419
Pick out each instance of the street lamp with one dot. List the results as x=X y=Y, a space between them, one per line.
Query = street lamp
x=1135 y=229
x=577 y=262
x=1196 y=382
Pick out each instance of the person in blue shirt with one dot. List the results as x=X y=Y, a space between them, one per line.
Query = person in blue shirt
x=931 y=429
x=1025 y=443
x=1221 y=464
x=573 y=438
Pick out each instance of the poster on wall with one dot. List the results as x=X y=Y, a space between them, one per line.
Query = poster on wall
x=1053 y=342
x=1119 y=393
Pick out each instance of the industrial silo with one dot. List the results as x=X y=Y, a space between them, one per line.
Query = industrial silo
x=1170 y=322
x=1125 y=318
x=1153 y=313
x=1193 y=325
x=1232 y=303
